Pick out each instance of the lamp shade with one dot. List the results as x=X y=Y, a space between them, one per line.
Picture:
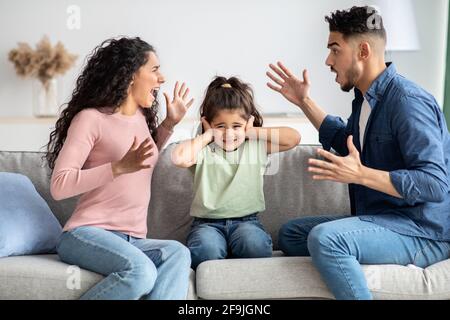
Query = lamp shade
x=400 y=24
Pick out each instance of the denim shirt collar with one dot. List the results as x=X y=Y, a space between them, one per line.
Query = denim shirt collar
x=378 y=87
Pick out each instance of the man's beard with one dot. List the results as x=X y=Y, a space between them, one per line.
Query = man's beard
x=351 y=75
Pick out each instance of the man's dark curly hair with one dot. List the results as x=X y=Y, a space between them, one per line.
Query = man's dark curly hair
x=357 y=21
x=103 y=85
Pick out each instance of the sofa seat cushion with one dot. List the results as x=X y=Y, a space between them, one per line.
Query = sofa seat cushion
x=45 y=277
x=282 y=277
x=42 y=277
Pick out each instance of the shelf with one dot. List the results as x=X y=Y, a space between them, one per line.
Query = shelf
x=52 y=120
x=27 y=120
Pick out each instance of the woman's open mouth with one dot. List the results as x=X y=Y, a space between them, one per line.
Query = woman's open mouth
x=154 y=92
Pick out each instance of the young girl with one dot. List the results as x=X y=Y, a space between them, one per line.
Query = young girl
x=228 y=160
x=103 y=148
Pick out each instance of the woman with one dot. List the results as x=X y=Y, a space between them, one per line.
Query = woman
x=103 y=147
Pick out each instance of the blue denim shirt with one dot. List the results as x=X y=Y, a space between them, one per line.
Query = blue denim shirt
x=407 y=136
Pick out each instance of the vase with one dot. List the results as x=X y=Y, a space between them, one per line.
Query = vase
x=45 y=98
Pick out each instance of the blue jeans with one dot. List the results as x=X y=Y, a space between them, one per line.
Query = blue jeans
x=133 y=268
x=339 y=245
x=213 y=239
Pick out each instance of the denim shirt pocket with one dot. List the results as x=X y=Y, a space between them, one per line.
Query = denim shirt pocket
x=384 y=151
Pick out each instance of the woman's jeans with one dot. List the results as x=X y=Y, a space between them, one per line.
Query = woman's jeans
x=133 y=268
x=212 y=239
x=339 y=245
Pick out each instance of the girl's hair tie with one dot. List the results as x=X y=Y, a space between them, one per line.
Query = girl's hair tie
x=226 y=85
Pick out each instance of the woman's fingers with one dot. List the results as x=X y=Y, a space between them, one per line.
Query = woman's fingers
x=175 y=90
x=190 y=103
x=147 y=148
x=144 y=143
x=182 y=90
x=306 y=76
x=185 y=94
x=167 y=99
x=148 y=155
x=134 y=144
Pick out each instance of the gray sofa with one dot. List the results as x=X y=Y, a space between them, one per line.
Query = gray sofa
x=290 y=193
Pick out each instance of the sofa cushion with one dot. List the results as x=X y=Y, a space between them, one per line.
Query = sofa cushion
x=27 y=224
x=45 y=277
x=32 y=165
x=282 y=277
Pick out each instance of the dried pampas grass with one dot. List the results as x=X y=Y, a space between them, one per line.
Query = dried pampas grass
x=44 y=63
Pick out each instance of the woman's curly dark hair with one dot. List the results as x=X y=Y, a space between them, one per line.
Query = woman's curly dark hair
x=103 y=85
x=357 y=21
x=229 y=94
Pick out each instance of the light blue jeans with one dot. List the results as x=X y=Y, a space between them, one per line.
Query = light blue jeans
x=339 y=245
x=133 y=268
x=213 y=239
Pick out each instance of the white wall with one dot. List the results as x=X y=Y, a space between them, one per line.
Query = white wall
x=427 y=66
x=198 y=39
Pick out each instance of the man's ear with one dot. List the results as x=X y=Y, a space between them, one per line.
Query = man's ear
x=365 y=50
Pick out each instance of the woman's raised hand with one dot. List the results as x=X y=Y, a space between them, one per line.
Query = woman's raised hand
x=134 y=158
x=178 y=106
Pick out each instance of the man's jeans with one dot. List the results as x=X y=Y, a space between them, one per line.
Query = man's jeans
x=212 y=239
x=133 y=268
x=339 y=245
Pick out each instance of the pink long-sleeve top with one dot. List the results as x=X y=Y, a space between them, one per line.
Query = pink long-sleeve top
x=95 y=140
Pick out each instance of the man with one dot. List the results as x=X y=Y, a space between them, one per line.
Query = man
x=394 y=154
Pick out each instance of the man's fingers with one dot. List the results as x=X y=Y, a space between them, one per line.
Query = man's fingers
x=350 y=145
x=274 y=88
x=322 y=164
x=278 y=71
x=321 y=172
x=285 y=70
x=328 y=155
x=325 y=178
x=274 y=79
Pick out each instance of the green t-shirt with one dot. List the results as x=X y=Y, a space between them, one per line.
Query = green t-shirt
x=229 y=184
